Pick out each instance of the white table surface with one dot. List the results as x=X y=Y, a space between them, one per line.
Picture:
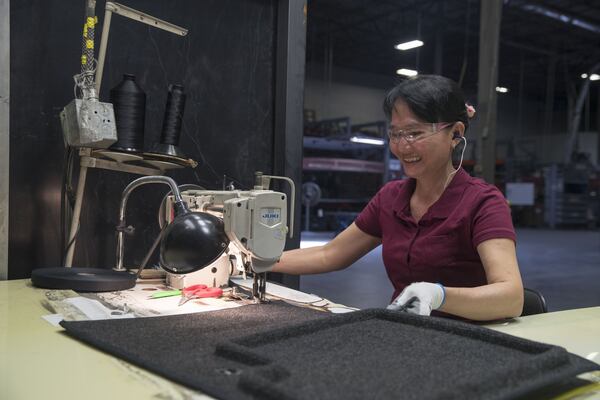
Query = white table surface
x=37 y=360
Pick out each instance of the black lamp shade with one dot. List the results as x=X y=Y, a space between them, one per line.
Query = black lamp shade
x=191 y=242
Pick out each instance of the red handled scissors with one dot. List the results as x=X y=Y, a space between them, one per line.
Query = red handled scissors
x=198 y=292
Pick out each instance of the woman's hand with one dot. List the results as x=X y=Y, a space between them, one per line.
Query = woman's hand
x=419 y=298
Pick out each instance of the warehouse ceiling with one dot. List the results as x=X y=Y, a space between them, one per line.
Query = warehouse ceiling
x=361 y=34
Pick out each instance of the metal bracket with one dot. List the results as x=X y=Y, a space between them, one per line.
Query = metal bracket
x=89 y=161
x=145 y=18
x=92 y=162
x=263 y=182
x=135 y=15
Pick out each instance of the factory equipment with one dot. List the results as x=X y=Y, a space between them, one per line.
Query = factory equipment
x=213 y=234
x=311 y=195
x=571 y=194
x=343 y=167
x=87 y=122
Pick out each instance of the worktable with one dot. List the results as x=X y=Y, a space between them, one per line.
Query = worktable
x=37 y=360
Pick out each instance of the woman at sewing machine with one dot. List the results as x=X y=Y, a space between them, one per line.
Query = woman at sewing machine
x=448 y=239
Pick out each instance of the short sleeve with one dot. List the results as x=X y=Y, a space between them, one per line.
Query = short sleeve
x=368 y=219
x=492 y=218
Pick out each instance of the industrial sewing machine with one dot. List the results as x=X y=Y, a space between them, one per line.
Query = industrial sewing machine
x=255 y=222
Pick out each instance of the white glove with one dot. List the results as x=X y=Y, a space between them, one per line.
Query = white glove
x=419 y=298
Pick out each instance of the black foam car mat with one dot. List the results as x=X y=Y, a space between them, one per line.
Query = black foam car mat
x=277 y=351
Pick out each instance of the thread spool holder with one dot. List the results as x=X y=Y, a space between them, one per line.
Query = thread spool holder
x=90 y=158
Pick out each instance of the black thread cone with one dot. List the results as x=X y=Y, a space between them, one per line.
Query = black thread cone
x=129 y=103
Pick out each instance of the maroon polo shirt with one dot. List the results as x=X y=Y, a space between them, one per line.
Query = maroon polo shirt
x=442 y=246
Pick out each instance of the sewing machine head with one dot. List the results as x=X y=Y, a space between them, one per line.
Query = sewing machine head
x=254 y=221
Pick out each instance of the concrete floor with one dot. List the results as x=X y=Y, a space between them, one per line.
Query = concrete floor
x=564 y=265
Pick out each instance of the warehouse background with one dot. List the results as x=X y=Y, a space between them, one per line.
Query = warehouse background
x=546 y=48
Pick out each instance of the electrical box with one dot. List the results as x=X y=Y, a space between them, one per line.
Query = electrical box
x=88 y=123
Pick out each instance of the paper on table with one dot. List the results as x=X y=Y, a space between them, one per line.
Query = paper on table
x=93 y=309
x=53 y=319
x=138 y=300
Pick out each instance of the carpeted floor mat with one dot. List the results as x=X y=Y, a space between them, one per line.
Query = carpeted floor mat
x=277 y=351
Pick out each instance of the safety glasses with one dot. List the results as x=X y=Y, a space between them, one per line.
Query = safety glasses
x=417 y=132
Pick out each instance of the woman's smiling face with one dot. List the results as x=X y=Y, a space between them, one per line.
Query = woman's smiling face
x=426 y=158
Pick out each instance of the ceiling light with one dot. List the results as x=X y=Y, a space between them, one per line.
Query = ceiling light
x=583 y=76
x=594 y=77
x=409 y=45
x=358 y=139
x=501 y=89
x=406 y=72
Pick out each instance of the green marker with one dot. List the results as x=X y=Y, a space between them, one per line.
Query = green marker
x=166 y=293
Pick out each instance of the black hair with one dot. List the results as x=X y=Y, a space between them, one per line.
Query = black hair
x=432 y=98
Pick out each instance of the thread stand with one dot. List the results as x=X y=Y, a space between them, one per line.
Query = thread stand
x=89 y=159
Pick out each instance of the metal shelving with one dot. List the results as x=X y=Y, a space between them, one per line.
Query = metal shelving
x=347 y=170
x=569 y=197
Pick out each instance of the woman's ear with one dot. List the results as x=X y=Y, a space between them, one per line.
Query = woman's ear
x=458 y=130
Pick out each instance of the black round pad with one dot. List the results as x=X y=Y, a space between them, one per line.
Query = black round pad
x=82 y=279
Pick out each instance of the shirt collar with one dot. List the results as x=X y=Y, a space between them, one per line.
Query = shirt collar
x=451 y=197
x=402 y=203
x=442 y=208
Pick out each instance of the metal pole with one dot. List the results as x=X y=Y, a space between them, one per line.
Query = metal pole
x=102 y=50
x=307 y=217
x=76 y=214
x=439 y=39
x=489 y=39
x=4 y=133
x=289 y=103
x=586 y=125
x=549 y=106
x=87 y=51
x=178 y=205
x=598 y=129
x=521 y=96
x=583 y=92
